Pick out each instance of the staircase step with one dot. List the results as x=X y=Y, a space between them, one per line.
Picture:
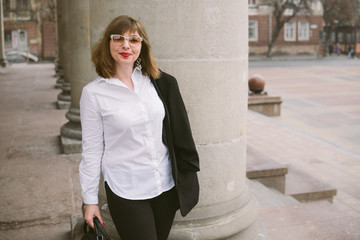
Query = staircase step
x=265 y=170
x=269 y=197
x=305 y=188
x=287 y=180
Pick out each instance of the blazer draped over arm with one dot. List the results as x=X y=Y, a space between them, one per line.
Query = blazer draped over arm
x=178 y=138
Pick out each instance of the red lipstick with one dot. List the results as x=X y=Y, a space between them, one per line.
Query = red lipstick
x=125 y=54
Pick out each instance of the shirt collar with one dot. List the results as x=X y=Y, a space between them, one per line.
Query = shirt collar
x=118 y=82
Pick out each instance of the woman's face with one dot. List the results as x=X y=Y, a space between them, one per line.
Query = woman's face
x=125 y=51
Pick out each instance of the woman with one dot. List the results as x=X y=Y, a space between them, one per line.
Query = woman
x=135 y=129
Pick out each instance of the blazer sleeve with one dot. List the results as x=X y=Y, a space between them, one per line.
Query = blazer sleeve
x=184 y=146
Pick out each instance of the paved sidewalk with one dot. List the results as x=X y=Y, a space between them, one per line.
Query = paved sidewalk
x=322 y=98
x=39 y=186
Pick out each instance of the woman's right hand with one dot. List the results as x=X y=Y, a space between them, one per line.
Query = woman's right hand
x=91 y=211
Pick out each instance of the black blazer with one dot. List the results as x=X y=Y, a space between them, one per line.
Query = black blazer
x=178 y=138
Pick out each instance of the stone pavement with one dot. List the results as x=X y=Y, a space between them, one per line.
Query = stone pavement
x=317 y=132
x=39 y=186
x=319 y=97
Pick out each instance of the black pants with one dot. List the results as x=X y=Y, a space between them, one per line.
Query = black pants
x=149 y=219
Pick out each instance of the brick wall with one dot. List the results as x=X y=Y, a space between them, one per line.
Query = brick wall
x=34 y=40
x=48 y=40
x=41 y=42
x=263 y=30
x=311 y=46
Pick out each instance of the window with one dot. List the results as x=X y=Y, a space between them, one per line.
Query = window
x=7 y=39
x=288 y=12
x=253 y=30
x=6 y=4
x=252 y=3
x=303 y=31
x=333 y=37
x=349 y=38
x=340 y=37
x=22 y=4
x=290 y=31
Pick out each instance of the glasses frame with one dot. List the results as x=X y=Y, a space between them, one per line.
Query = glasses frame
x=126 y=38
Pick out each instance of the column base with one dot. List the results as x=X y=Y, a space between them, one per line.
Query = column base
x=64 y=98
x=77 y=226
x=77 y=221
x=256 y=231
x=71 y=134
x=59 y=82
x=70 y=146
x=63 y=104
x=3 y=62
x=239 y=224
x=57 y=67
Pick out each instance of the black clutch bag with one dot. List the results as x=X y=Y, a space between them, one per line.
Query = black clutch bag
x=96 y=233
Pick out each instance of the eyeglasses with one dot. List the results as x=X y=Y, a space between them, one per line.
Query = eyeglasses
x=119 y=40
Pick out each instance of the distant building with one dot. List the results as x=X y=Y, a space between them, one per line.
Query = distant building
x=301 y=35
x=30 y=27
x=346 y=33
x=347 y=36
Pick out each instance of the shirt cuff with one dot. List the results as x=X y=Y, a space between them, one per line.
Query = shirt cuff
x=90 y=200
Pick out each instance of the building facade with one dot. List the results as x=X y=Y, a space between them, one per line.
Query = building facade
x=348 y=38
x=301 y=35
x=29 y=26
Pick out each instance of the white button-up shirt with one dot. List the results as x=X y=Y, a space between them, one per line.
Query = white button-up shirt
x=122 y=135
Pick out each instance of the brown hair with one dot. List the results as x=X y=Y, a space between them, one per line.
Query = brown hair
x=102 y=59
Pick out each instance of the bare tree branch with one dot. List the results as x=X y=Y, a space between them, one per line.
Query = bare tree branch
x=279 y=8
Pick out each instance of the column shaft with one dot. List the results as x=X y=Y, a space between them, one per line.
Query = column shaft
x=56 y=60
x=79 y=66
x=3 y=61
x=204 y=45
x=64 y=98
x=60 y=43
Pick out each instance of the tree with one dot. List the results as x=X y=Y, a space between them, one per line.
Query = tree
x=283 y=11
x=337 y=13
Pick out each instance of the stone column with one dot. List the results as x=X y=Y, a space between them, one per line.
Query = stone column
x=63 y=82
x=204 y=45
x=3 y=61
x=60 y=45
x=80 y=68
x=56 y=60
